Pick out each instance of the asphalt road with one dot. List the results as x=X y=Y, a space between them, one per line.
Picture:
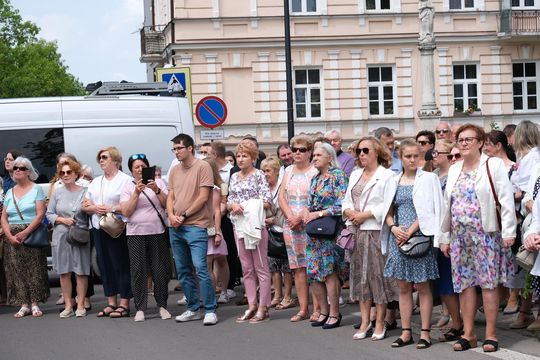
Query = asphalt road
x=50 y=338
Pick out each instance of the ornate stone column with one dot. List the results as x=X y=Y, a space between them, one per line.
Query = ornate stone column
x=426 y=45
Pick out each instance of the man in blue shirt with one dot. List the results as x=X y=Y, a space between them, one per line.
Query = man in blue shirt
x=387 y=137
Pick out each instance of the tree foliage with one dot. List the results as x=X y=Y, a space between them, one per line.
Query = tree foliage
x=29 y=66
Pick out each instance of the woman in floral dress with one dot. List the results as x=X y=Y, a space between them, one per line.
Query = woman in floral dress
x=293 y=201
x=477 y=242
x=328 y=187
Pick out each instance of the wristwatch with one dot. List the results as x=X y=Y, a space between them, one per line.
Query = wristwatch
x=158 y=191
x=184 y=215
x=321 y=214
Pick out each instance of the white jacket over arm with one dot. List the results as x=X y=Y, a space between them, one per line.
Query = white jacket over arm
x=428 y=203
x=534 y=228
x=484 y=194
x=375 y=188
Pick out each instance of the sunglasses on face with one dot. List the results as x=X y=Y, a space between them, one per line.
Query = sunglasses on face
x=442 y=131
x=138 y=156
x=301 y=149
x=67 y=172
x=454 y=157
x=423 y=143
x=362 y=150
x=21 y=168
x=103 y=157
x=177 y=149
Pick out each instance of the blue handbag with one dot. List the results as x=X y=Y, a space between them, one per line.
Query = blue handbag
x=323 y=228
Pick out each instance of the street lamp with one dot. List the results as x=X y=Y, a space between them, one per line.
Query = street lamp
x=288 y=70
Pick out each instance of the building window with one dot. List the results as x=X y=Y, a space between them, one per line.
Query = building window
x=381 y=90
x=524 y=85
x=307 y=93
x=378 y=4
x=465 y=88
x=303 y=6
x=523 y=4
x=461 y=4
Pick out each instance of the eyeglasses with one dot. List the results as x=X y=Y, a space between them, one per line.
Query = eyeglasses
x=21 y=168
x=423 y=143
x=302 y=149
x=362 y=150
x=138 y=156
x=436 y=153
x=453 y=157
x=466 y=140
x=103 y=157
x=442 y=131
x=8 y=159
x=67 y=172
x=178 y=148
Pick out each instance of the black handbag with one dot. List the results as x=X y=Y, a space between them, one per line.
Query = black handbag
x=276 y=244
x=39 y=238
x=323 y=228
x=417 y=246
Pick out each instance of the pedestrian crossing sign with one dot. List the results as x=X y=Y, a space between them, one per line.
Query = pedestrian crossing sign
x=176 y=75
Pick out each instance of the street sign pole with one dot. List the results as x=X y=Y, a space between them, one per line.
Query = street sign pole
x=288 y=70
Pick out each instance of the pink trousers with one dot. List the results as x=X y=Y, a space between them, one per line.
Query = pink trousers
x=255 y=269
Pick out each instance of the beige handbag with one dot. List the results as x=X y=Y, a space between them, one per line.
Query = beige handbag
x=110 y=222
x=525 y=258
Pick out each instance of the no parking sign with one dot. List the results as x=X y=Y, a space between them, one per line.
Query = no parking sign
x=211 y=112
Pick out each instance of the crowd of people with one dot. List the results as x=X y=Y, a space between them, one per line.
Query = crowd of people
x=403 y=224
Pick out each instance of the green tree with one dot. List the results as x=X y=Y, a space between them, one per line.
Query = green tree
x=29 y=66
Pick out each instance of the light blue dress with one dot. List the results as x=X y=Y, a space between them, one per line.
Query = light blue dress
x=400 y=266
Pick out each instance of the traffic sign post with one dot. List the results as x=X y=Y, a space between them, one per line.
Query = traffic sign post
x=211 y=112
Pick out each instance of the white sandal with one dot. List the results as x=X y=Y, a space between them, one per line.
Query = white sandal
x=36 y=311
x=23 y=311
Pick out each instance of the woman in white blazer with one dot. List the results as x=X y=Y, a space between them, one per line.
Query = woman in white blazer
x=412 y=207
x=363 y=212
x=532 y=243
x=478 y=247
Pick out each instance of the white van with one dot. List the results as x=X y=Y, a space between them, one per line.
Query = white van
x=43 y=127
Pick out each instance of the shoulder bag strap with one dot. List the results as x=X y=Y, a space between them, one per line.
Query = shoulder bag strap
x=497 y=203
x=367 y=198
x=155 y=208
x=16 y=206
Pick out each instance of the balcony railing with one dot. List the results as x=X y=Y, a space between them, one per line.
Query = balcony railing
x=152 y=41
x=520 y=22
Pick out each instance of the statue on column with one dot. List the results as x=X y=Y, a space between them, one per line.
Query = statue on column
x=426 y=15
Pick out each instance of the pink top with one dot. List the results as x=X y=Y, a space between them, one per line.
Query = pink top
x=144 y=220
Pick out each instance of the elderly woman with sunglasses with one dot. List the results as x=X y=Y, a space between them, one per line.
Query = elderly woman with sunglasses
x=143 y=204
x=327 y=190
x=363 y=211
x=26 y=268
x=478 y=245
x=103 y=197
x=293 y=201
x=64 y=211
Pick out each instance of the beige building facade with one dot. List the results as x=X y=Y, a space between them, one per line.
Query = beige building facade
x=356 y=63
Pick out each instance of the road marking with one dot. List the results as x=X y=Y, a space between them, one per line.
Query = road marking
x=506 y=354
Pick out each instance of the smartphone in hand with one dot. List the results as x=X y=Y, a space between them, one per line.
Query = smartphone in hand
x=148 y=173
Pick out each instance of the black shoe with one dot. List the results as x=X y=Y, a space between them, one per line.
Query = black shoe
x=333 y=325
x=320 y=323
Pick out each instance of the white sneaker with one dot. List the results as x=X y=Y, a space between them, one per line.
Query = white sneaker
x=210 y=319
x=189 y=315
x=231 y=293
x=66 y=314
x=341 y=302
x=182 y=301
x=223 y=298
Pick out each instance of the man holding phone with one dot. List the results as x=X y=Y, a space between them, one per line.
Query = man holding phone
x=190 y=214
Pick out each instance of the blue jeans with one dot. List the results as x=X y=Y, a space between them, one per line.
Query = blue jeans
x=189 y=245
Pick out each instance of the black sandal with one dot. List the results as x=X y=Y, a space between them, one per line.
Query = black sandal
x=104 y=313
x=451 y=335
x=465 y=344
x=399 y=341
x=493 y=343
x=119 y=314
x=423 y=343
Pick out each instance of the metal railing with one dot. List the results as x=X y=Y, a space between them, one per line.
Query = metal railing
x=152 y=40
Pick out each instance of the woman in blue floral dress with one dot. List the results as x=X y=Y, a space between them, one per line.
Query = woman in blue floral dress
x=477 y=236
x=328 y=187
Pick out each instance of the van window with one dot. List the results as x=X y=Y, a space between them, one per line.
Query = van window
x=40 y=145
